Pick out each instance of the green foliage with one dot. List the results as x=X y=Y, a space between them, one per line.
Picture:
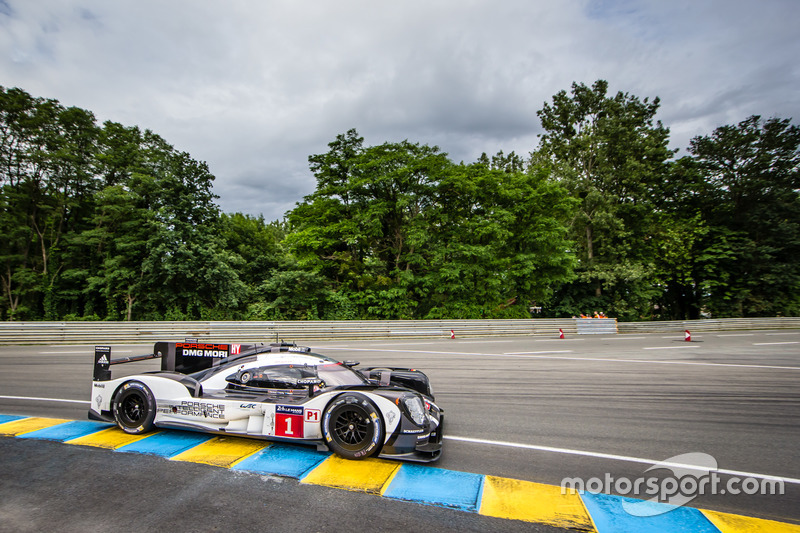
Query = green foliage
x=402 y=232
x=46 y=196
x=498 y=243
x=293 y=295
x=111 y=222
x=751 y=204
x=612 y=155
x=105 y=221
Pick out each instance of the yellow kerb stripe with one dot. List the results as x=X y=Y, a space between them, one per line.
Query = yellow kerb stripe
x=533 y=502
x=221 y=451
x=27 y=425
x=365 y=475
x=731 y=523
x=110 y=439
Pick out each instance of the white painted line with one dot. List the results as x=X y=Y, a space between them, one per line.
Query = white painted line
x=487 y=341
x=609 y=360
x=788 y=333
x=83 y=352
x=677 y=336
x=323 y=347
x=537 y=353
x=667 y=347
x=455 y=341
x=50 y=353
x=582 y=359
x=71 y=345
x=404 y=344
x=617 y=458
x=43 y=399
x=737 y=335
x=623 y=338
x=774 y=343
x=404 y=351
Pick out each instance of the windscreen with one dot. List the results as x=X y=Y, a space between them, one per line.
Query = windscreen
x=336 y=375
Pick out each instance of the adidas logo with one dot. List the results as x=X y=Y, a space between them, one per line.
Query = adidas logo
x=103 y=360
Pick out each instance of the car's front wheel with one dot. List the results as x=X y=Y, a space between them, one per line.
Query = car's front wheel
x=134 y=408
x=352 y=426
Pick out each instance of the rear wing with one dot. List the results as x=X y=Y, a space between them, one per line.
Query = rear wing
x=103 y=361
x=188 y=356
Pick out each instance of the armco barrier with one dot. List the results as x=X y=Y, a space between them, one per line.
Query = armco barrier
x=596 y=326
x=316 y=330
x=720 y=324
x=300 y=331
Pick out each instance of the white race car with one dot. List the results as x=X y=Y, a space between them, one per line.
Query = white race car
x=278 y=392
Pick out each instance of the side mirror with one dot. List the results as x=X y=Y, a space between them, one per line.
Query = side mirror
x=350 y=364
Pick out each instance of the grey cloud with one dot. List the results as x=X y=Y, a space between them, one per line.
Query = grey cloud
x=255 y=88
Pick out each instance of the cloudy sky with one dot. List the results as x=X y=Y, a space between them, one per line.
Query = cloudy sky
x=255 y=87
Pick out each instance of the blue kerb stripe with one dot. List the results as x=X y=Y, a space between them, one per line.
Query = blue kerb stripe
x=288 y=461
x=10 y=418
x=610 y=516
x=435 y=486
x=67 y=430
x=166 y=443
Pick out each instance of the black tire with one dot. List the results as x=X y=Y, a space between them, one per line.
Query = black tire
x=134 y=408
x=352 y=426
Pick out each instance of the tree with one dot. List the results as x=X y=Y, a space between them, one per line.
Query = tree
x=611 y=154
x=398 y=231
x=364 y=227
x=124 y=227
x=46 y=155
x=256 y=242
x=498 y=242
x=189 y=268
x=750 y=202
x=159 y=234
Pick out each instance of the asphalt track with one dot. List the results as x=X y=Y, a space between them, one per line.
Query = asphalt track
x=528 y=408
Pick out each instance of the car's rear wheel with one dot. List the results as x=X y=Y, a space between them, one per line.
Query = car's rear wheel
x=134 y=408
x=352 y=426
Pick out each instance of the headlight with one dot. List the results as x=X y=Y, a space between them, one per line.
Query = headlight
x=415 y=409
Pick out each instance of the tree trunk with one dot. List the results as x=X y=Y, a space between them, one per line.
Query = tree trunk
x=130 y=300
x=13 y=300
x=590 y=256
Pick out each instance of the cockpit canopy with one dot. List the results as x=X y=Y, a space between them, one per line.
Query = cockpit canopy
x=290 y=376
x=273 y=376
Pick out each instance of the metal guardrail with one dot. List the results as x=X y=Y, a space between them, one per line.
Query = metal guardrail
x=596 y=326
x=300 y=331
x=304 y=331
x=720 y=324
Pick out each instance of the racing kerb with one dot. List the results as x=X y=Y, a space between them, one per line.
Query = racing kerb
x=315 y=330
x=487 y=495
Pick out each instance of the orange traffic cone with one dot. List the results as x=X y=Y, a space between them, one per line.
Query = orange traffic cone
x=688 y=336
